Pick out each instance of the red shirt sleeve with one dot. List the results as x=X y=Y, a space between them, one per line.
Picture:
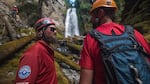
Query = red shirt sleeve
x=143 y=42
x=29 y=74
x=140 y=38
x=85 y=60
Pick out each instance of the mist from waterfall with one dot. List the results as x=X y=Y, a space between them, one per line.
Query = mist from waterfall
x=71 y=23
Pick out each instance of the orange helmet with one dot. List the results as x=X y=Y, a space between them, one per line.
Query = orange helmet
x=43 y=22
x=104 y=3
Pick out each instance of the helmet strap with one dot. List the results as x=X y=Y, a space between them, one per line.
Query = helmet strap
x=43 y=34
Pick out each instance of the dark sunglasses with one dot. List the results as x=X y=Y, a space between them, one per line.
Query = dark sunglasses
x=52 y=29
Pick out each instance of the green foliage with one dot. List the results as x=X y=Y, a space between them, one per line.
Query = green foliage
x=120 y=5
x=28 y=11
x=148 y=38
x=32 y=18
x=28 y=8
x=84 y=19
x=85 y=6
x=138 y=15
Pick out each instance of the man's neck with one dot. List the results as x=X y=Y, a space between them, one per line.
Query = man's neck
x=45 y=42
x=106 y=20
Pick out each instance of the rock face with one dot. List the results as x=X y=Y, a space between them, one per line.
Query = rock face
x=55 y=9
x=4 y=8
x=4 y=11
x=5 y=21
x=50 y=8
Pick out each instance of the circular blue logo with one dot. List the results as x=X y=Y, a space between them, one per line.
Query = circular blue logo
x=24 y=72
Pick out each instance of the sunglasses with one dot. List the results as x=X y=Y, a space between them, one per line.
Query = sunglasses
x=52 y=29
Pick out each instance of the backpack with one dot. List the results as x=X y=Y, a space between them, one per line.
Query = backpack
x=124 y=58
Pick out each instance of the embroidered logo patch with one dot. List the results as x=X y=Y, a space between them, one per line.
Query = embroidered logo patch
x=24 y=72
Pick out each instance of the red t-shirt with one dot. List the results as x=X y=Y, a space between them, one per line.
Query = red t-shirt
x=90 y=58
x=14 y=9
x=37 y=65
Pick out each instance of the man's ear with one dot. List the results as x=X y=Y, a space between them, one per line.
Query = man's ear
x=40 y=33
x=101 y=13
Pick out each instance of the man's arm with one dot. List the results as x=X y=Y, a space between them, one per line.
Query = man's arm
x=86 y=76
x=27 y=70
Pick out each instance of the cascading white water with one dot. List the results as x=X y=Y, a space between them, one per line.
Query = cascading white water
x=71 y=23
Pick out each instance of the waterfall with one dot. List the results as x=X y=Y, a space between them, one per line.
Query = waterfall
x=71 y=23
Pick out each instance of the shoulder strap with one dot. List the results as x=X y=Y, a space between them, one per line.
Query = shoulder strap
x=95 y=34
x=98 y=36
x=129 y=29
x=111 y=78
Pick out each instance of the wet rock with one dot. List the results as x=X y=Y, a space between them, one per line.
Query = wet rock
x=73 y=75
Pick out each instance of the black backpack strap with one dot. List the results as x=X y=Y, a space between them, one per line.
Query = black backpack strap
x=130 y=30
x=110 y=72
x=98 y=36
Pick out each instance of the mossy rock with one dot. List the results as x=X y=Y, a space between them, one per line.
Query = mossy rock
x=9 y=48
x=147 y=38
x=72 y=64
x=62 y=79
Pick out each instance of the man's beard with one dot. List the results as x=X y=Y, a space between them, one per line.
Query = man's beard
x=96 y=23
x=50 y=39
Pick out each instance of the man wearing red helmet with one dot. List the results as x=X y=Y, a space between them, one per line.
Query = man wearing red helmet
x=14 y=11
x=92 y=66
x=36 y=66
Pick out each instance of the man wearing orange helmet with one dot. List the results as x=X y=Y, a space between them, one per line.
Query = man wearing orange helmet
x=102 y=18
x=36 y=66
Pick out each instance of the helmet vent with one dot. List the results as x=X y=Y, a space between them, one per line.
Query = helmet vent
x=108 y=2
x=46 y=22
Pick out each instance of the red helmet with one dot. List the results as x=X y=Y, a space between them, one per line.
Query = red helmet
x=43 y=22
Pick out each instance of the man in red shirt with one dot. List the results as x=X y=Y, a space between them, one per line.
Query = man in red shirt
x=36 y=66
x=92 y=68
x=14 y=11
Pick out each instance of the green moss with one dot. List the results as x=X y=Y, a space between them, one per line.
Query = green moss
x=74 y=46
x=62 y=79
x=147 y=38
x=59 y=36
x=12 y=46
x=71 y=63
